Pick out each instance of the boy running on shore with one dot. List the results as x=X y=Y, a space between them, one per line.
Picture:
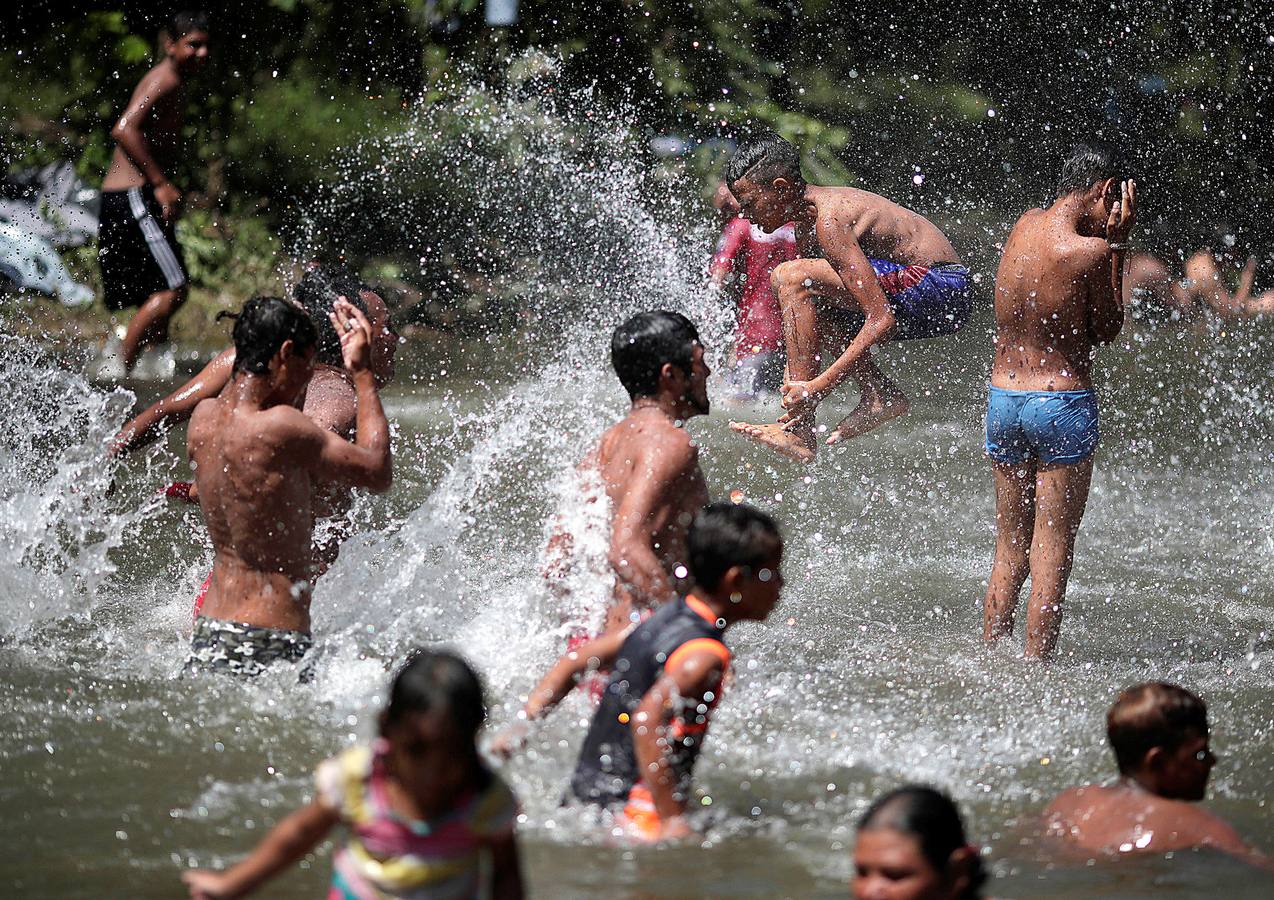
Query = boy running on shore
x=868 y=271
x=137 y=245
x=1159 y=733
x=1058 y=296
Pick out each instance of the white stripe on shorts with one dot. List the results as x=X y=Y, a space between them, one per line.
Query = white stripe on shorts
x=155 y=240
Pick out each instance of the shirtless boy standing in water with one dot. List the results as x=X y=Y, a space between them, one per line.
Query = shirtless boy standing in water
x=137 y=245
x=648 y=463
x=868 y=269
x=257 y=460
x=1058 y=295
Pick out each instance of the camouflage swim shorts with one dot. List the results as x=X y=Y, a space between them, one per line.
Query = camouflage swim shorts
x=245 y=650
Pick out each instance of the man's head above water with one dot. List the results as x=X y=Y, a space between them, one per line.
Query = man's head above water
x=274 y=339
x=659 y=355
x=1159 y=733
x=764 y=174
x=1092 y=176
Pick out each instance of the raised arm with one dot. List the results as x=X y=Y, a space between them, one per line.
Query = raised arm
x=128 y=133
x=291 y=839
x=667 y=464
x=176 y=407
x=1106 y=290
x=690 y=674
x=366 y=462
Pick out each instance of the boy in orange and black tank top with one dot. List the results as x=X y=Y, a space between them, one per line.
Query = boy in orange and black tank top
x=667 y=674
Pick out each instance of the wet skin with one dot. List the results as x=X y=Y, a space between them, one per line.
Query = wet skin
x=837 y=229
x=257 y=462
x=1058 y=295
x=649 y=466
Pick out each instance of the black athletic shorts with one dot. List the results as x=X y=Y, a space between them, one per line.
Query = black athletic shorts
x=137 y=252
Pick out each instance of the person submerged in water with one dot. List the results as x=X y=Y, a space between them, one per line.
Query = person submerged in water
x=648 y=464
x=258 y=462
x=911 y=846
x=1058 y=296
x=868 y=271
x=639 y=754
x=426 y=817
x=1159 y=734
x=139 y=257
x=1150 y=286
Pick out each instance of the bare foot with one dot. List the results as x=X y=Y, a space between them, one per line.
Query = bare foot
x=794 y=441
x=868 y=415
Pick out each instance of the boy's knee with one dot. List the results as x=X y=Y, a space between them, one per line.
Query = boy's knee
x=790 y=280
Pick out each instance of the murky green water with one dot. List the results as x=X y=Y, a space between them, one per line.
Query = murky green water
x=118 y=773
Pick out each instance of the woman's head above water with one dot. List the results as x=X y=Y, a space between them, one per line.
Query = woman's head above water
x=911 y=846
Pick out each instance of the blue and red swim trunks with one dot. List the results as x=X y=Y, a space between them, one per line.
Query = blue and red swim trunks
x=928 y=301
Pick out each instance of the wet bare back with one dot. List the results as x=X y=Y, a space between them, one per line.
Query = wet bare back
x=882 y=228
x=650 y=470
x=1044 y=294
x=259 y=508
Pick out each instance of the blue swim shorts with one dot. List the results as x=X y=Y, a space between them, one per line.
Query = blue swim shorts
x=927 y=301
x=1049 y=426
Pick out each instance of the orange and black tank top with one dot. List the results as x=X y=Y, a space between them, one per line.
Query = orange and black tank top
x=607 y=767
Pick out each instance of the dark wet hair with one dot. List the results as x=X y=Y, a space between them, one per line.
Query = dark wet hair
x=433 y=681
x=1154 y=714
x=317 y=291
x=261 y=328
x=184 y=21
x=724 y=535
x=1086 y=166
x=931 y=817
x=763 y=159
x=640 y=347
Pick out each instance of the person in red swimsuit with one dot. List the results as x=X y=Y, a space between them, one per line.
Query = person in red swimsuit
x=742 y=264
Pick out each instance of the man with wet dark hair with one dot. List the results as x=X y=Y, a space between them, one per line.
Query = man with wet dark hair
x=257 y=461
x=1058 y=296
x=329 y=400
x=868 y=271
x=647 y=464
x=1159 y=734
x=137 y=245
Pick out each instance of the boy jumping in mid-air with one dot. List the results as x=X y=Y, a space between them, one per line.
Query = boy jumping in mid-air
x=648 y=730
x=1058 y=295
x=868 y=271
x=137 y=245
x=1159 y=733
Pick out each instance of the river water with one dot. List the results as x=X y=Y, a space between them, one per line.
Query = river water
x=119 y=773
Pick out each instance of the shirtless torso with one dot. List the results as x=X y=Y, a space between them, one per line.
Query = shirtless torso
x=257 y=462
x=157 y=107
x=650 y=470
x=881 y=228
x=1125 y=818
x=1053 y=305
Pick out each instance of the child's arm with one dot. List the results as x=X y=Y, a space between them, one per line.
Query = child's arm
x=691 y=672
x=507 y=868
x=561 y=679
x=289 y=841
